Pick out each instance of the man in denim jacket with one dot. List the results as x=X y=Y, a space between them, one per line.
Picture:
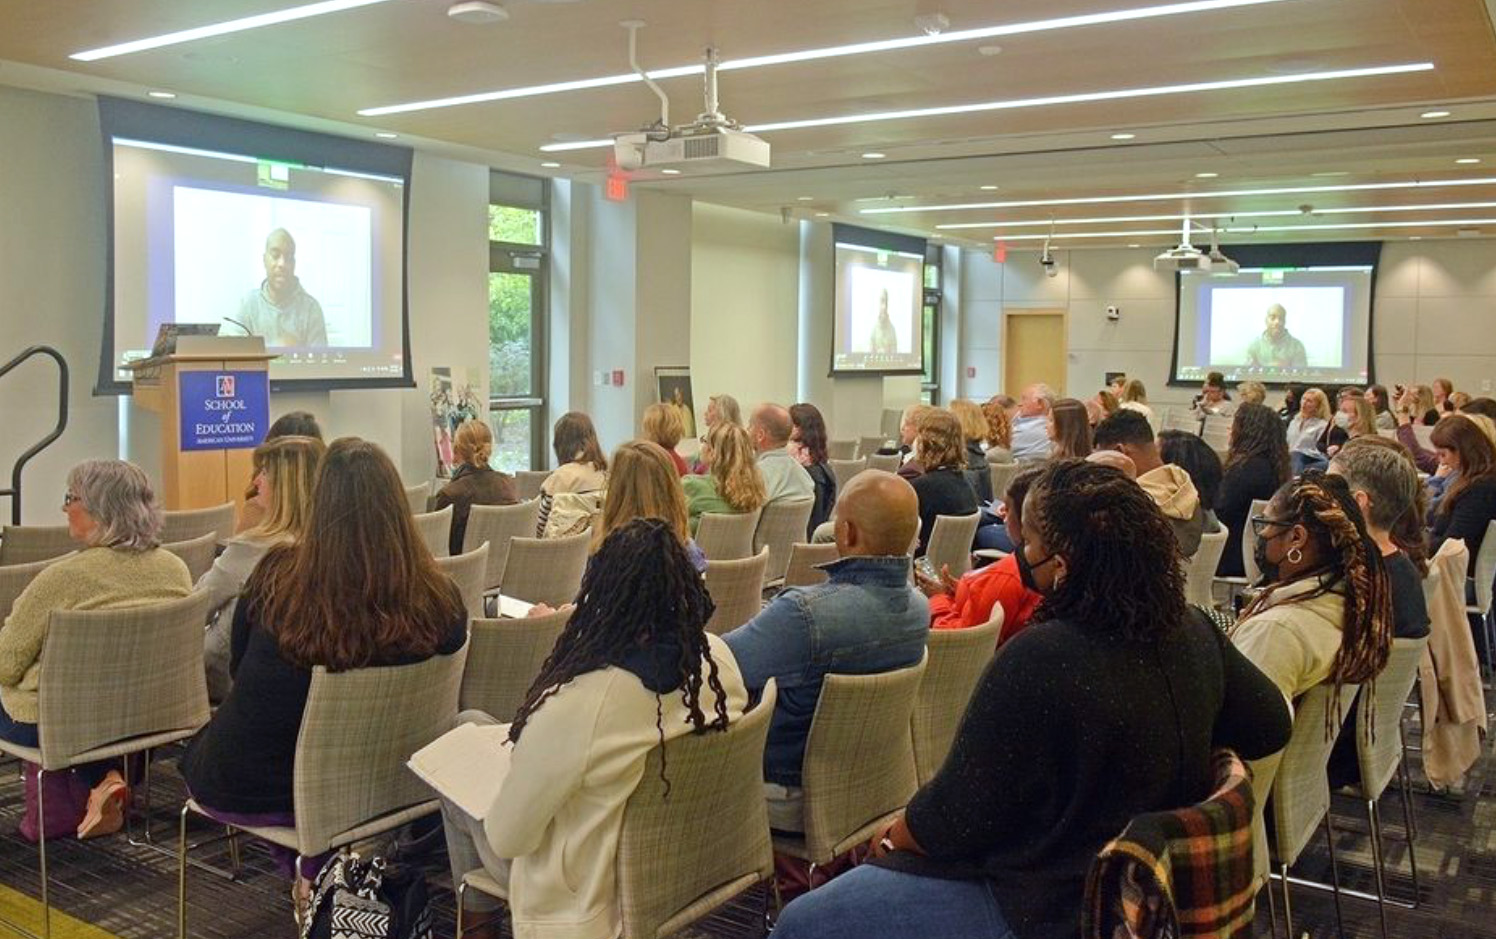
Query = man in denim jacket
x=867 y=618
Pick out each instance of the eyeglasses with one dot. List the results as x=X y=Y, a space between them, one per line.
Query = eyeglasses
x=1261 y=523
x=69 y=498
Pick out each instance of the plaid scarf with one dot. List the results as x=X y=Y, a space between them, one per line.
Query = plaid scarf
x=1181 y=873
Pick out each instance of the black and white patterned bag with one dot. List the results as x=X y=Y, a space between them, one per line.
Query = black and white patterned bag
x=357 y=899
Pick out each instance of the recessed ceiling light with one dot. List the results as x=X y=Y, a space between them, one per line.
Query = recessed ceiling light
x=386 y=135
x=1206 y=175
x=1134 y=245
x=988 y=188
x=220 y=29
x=670 y=172
x=1430 y=115
x=1466 y=161
x=873 y=155
x=823 y=215
x=990 y=51
x=1020 y=103
x=1124 y=136
x=805 y=198
x=550 y=165
x=1416 y=238
x=165 y=95
x=828 y=52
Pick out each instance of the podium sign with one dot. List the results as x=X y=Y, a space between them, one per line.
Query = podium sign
x=228 y=410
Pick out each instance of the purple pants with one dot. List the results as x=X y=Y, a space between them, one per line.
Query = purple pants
x=285 y=858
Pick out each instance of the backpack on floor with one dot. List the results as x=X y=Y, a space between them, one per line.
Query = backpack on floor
x=357 y=899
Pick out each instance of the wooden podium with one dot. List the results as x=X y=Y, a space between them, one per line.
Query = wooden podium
x=213 y=398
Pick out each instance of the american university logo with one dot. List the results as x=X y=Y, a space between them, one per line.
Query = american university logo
x=225 y=386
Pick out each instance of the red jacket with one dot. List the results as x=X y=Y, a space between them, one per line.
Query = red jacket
x=978 y=592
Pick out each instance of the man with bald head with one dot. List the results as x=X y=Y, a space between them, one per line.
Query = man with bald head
x=867 y=618
x=784 y=478
x=1030 y=438
x=1277 y=347
x=280 y=310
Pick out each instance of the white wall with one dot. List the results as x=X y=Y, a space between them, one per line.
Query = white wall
x=1436 y=314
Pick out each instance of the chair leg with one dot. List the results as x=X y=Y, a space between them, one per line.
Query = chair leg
x=1334 y=874
x=461 y=896
x=1272 y=909
x=233 y=836
x=1373 y=818
x=1409 y=831
x=1287 y=902
x=41 y=815
x=182 y=875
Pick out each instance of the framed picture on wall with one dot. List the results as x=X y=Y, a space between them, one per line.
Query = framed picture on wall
x=673 y=384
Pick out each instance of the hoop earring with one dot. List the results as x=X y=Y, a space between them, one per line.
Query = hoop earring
x=1295 y=555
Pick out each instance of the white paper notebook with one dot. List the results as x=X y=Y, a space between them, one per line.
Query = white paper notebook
x=511 y=608
x=466 y=765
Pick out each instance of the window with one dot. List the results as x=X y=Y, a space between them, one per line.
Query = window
x=930 y=380
x=518 y=265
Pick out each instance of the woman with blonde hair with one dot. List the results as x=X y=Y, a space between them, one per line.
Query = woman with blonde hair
x=285 y=472
x=474 y=482
x=1135 y=398
x=572 y=496
x=663 y=425
x=940 y=448
x=999 y=428
x=1305 y=429
x=974 y=428
x=643 y=483
x=1252 y=392
x=1417 y=403
x=734 y=484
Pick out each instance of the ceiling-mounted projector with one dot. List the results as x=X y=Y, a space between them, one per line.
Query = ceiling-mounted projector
x=1186 y=257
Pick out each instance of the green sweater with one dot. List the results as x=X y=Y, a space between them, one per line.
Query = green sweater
x=92 y=579
x=702 y=496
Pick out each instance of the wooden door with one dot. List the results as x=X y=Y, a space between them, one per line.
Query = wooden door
x=1034 y=349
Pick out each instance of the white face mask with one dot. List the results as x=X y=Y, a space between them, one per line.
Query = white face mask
x=1342 y=420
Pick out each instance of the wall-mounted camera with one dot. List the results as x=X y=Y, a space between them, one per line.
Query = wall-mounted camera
x=1047 y=261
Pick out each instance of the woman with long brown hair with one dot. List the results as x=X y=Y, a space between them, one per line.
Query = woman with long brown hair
x=358 y=589
x=572 y=496
x=643 y=484
x=1469 y=501
x=1069 y=430
x=1256 y=465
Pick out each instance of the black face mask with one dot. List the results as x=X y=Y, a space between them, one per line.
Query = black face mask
x=1026 y=570
x=1269 y=568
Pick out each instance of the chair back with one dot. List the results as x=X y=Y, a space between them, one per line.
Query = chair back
x=1301 y=788
x=1249 y=542
x=868 y=446
x=467 y=571
x=1216 y=431
x=673 y=870
x=887 y=462
x=724 y=536
x=27 y=544
x=545 y=570
x=1200 y=570
x=737 y=589
x=1382 y=718
x=1181 y=419
x=1485 y=570
x=950 y=542
x=418 y=496
x=805 y=560
x=121 y=680
x=844 y=470
x=957 y=659
x=357 y=732
x=187 y=524
x=1001 y=475
x=782 y=524
x=841 y=449
x=435 y=529
x=497 y=525
x=859 y=763
x=197 y=554
x=14 y=578
x=504 y=659
x=1424 y=434
x=528 y=482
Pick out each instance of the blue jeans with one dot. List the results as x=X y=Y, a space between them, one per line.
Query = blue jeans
x=869 y=901
x=16 y=732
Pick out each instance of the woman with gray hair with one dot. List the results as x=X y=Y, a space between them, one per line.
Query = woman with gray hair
x=113 y=515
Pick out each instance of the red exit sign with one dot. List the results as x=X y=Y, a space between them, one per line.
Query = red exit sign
x=617 y=189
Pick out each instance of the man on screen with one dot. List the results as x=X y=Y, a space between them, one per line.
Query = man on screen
x=1276 y=347
x=280 y=310
x=885 y=339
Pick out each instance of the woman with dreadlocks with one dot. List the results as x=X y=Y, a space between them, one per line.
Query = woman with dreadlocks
x=1106 y=708
x=633 y=668
x=1256 y=465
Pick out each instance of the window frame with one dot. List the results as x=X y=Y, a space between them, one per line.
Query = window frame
x=504 y=257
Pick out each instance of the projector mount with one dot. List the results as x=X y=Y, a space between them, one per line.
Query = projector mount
x=711 y=119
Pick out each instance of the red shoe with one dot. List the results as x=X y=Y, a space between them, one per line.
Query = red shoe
x=106 y=808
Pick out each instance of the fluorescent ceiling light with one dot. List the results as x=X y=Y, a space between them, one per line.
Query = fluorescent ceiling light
x=1018 y=103
x=872 y=155
x=386 y=135
x=163 y=95
x=551 y=165
x=1430 y=115
x=1261 y=229
x=219 y=29
x=1467 y=161
x=1166 y=196
x=1123 y=136
x=826 y=52
x=1267 y=213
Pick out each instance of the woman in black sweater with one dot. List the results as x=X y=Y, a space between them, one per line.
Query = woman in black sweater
x=1469 y=502
x=1106 y=709
x=808 y=445
x=1256 y=465
x=943 y=488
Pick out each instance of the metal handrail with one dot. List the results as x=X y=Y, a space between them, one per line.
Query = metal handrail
x=14 y=492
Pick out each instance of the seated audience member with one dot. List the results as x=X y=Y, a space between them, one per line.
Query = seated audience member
x=1195 y=457
x=633 y=668
x=999 y=439
x=1213 y=398
x=115 y=518
x=1115 y=460
x=733 y=485
x=1135 y=398
x=974 y=429
x=662 y=425
x=908 y=428
x=1410 y=532
x=719 y=408
x=1443 y=391
x=286 y=470
x=1469 y=501
x=1457 y=402
x=1170 y=487
x=1107 y=402
x=358 y=589
x=867 y=618
x=942 y=489
x=1031 y=425
x=474 y=482
x=1485 y=407
x=1416 y=402
x=290 y=424
x=1354 y=418
x=572 y=496
x=769 y=428
x=1007 y=403
x=1256 y=465
x=1305 y=430
x=1117 y=383
x=1100 y=712
x=969 y=601
x=1293 y=393
x=640 y=487
x=808 y=447
x=1069 y=430
x=1251 y=392
x=1381 y=407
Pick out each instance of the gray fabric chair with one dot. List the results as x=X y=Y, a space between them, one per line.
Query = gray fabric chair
x=1199 y=571
x=528 y=482
x=841 y=449
x=956 y=660
x=1002 y=474
x=805 y=560
x=782 y=524
x=737 y=589
x=350 y=781
x=1181 y=419
x=27 y=544
x=859 y=762
x=115 y=683
x=467 y=571
x=545 y=570
x=671 y=870
x=1485 y=574
x=867 y=446
x=418 y=496
x=727 y=537
x=435 y=529
x=950 y=542
x=887 y=462
x=498 y=525
x=187 y=524
x=13 y=580
x=504 y=658
x=1248 y=551
x=197 y=554
x=844 y=470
